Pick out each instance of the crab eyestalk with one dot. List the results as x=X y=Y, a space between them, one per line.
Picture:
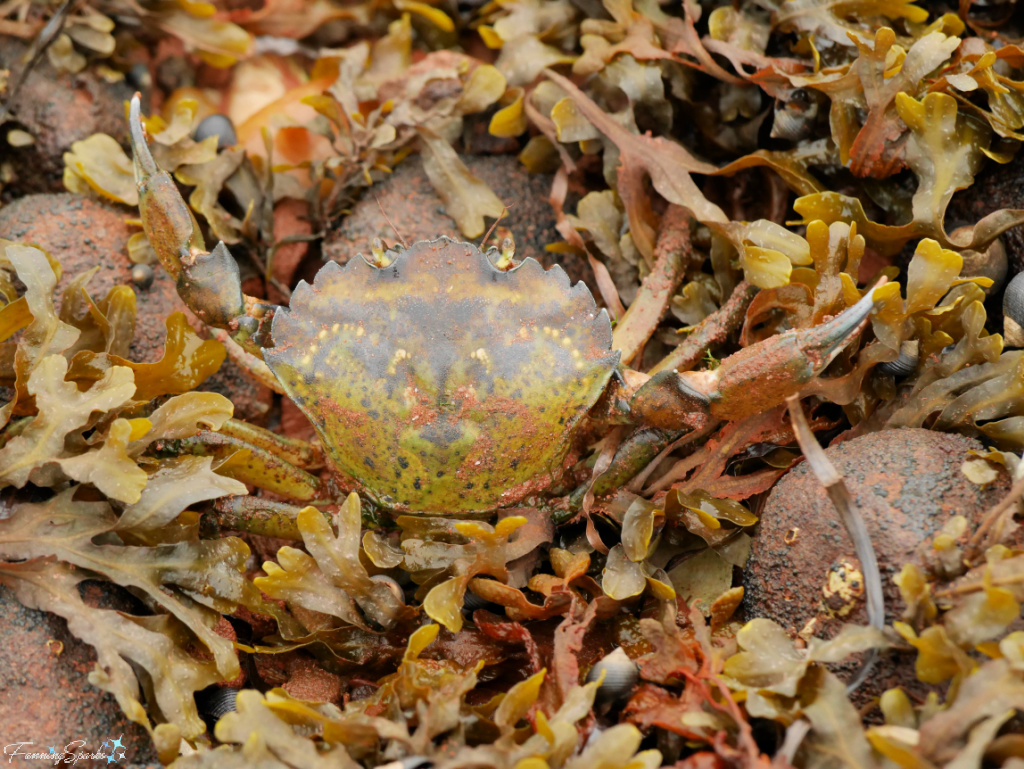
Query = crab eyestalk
x=208 y=282
x=752 y=380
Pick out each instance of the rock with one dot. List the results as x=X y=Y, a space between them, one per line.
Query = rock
x=291 y=219
x=411 y=203
x=802 y=571
x=45 y=696
x=299 y=675
x=57 y=110
x=82 y=233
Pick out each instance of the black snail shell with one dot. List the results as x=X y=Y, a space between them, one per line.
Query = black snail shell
x=219 y=126
x=138 y=77
x=620 y=677
x=1013 y=312
x=216 y=702
x=410 y=762
x=905 y=364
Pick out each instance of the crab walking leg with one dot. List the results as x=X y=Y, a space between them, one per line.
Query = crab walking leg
x=255 y=466
x=208 y=282
x=674 y=254
x=631 y=457
x=752 y=380
x=300 y=453
x=254 y=515
x=710 y=332
x=252 y=365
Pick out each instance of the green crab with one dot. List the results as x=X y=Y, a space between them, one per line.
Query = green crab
x=444 y=380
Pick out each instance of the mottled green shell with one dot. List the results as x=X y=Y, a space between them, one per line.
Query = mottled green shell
x=441 y=383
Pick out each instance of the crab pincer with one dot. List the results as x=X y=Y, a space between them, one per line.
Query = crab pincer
x=207 y=281
x=752 y=380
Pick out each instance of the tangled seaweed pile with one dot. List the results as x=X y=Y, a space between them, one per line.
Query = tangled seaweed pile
x=468 y=643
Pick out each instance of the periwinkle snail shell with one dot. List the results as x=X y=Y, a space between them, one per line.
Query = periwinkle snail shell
x=1013 y=312
x=621 y=676
x=409 y=762
x=214 y=703
x=219 y=126
x=794 y=116
x=142 y=276
x=392 y=585
x=905 y=364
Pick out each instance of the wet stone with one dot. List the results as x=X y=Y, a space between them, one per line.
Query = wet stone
x=45 y=694
x=802 y=571
x=82 y=234
x=411 y=203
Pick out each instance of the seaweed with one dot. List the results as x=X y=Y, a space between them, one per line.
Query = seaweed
x=731 y=175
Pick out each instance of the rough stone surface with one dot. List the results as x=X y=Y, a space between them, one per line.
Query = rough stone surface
x=907 y=484
x=82 y=234
x=417 y=211
x=45 y=695
x=57 y=109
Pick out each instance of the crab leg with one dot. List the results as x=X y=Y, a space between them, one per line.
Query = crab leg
x=255 y=466
x=254 y=515
x=298 y=452
x=710 y=332
x=752 y=380
x=208 y=282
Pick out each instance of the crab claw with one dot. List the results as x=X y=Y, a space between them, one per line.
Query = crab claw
x=763 y=375
x=667 y=401
x=168 y=221
x=752 y=380
x=208 y=282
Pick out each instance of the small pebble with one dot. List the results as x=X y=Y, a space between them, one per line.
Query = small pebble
x=219 y=126
x=138 y=77
x=142 y=276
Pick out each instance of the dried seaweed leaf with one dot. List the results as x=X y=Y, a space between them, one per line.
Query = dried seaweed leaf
x=182 y=417
x=943 y=151
x=208 y=572
x=47 y=334
x=667 y=164
x=338 y=576
x=622 y=577
x=98 y=164
x=700 y=580
x=120 y=641
x=108 y=468
x=171 y=487
x=837 y=737
x=767 y=659
x=269 y=741
x=466 y=198
x=62 y=408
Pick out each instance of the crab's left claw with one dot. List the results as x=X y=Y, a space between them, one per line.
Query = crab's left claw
x=208 y=282
x=752 y=380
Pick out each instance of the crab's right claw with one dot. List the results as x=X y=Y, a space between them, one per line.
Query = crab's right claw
x=667 y=401
x=208 y=282
x=753 y=380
